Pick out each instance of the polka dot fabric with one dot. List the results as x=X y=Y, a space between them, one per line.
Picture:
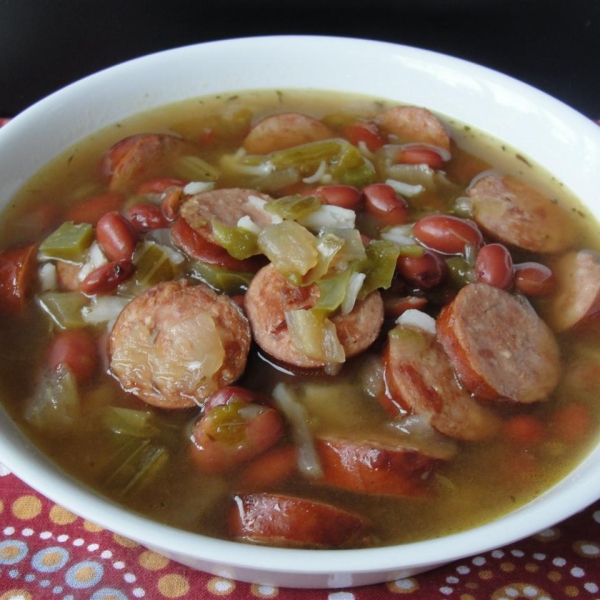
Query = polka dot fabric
x=46 y=552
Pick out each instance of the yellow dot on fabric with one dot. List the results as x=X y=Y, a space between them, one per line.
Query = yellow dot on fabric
x=152 y=561
x=532 y=567
x=554 y=576
x=403 y=586
x=173 y=586
x=27 y=507
x=571 y=591
x=507 y=567
x=85 y=574
x=220 y=587
x=61 y=516
x=125 y=542
x=472 y=585
x=264 y=591
x=548 y=535
x=466 y=597
x=587 y=549
x=16 y=594
x=485 y=574
x=92 y=527
x=9 y=553
x=1 y=506
x=50 y=559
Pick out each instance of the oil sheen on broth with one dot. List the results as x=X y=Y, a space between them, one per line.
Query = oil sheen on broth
x=141 y=457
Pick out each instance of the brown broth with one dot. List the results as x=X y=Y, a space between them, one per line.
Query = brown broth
x=483 y=481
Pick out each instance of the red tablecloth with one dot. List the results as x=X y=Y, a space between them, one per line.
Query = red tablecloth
x=47 y=552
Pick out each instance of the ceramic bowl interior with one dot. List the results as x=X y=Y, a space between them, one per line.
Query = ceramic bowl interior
x=555 y=136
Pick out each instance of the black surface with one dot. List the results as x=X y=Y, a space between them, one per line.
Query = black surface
x=551 y=44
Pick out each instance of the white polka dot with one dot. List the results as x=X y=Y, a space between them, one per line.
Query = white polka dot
x=139 y=592
x=93 y=547
x=590 y=549
x=559 y=562
x=463 y=569
x=78 y=542
x=106 y=554
x=530 y=591
x=547 y=533
x=341 y=596
x=478 y=561
x=497 y=554
x=518 y=553
x=266 y=590
x=539 y=556
x=596 y=516
x=452 y=579
x=62 y=538
x=45 y=535
x=9 y=530
x=223 y=585
x=577 y=572
x=446 y=590
x=119 y=564
x=129 y=577
x=511 y=592
x=404 y=584
x=592 y=588
x=27 y=532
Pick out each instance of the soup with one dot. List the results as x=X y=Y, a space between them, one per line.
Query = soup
x=302 y=319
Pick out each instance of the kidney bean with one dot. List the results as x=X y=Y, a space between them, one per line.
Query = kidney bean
x=494 y=266
x=383 y=202
x=425 y=271
x=232 y=393
x=447 y=234
x=345 y=196
x=116 y=236
x=146 y=217
x=107 y=278
x=171 y=203
x=76 y=350
x=534 y=279
x=418 y=155
x=94 y=207
x=366 y=132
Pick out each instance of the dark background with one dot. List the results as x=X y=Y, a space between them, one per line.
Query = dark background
x=551 y=44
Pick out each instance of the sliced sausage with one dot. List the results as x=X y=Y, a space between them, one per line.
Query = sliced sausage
x=270 y=296
x=415 y=124
x=176 y=343
x=499 y=346
x=285 y=130
x=68 y=275
x=17 y=272
x=373 y=468
x=577 y=295
x=291 y=522
x=515 y=213
x=420 y=380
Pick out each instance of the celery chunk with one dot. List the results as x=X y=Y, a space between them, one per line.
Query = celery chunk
x=461 y=272
x=314 y=336
x=127 y=421
x=64 y=308
x=239 y=242
x=293 y=207
x=380 y=265
x=220 y=279
x=69 y=242
x=155 y=263
x=194 y=168
x=332 y=292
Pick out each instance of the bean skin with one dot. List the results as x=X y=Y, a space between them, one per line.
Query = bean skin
x=146 y=217
x=534 y=279
x=447 y=234
x=116 y=236
x=424 y=271
x=494 y=266
x=383 y=203
x=107 y=278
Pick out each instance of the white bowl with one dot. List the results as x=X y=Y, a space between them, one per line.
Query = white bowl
x=557 y=137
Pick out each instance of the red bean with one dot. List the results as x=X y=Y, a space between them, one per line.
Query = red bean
x=418 y=155
x=229 y=394
x=425 y=271
x=447 y=234
x=116 y=236
x=345 y=196
x=146 y=217
x=107 y=278
x=171 y=203
x=76 y=350
x=383 y=202
x=494 y=266
x=366 y=132
x=534 y=279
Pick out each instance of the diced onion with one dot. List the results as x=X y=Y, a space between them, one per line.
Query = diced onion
x=197 y=187
x=318 y=174
x=400 y=235
x=314 y=337
x=417 y=319
x=354 y=285
x=329 y=216
x=48 y=277
x=248 y=224
x=104 y=309
x=259 y=203
x=405 y=189
x=95 y=258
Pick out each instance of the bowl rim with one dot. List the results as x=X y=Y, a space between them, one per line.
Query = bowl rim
x=28 y=464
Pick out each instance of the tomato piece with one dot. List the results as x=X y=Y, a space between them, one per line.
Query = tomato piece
x=269 y=469
x=418 y=155
x=447 y=234
x=233 y=433
x=195 y=245
x=383 y=202
x=94 y=207
x=279 y=520
x=17 y=271
x=75 y=349
x=494 y=266
x=534 y=279
x=160 y=185
x=107 y=278
x=116 y=236
x=366 y=132
x=524 y=429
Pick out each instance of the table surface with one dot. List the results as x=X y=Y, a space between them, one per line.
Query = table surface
x=45 y=551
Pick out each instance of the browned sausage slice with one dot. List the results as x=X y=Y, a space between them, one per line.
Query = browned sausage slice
x=498 y=345
x=270 y=296
x=285 y=130
x=175 y=344
x=287 y=521
x=373 y=468
x=515 y=213
x=415 y=124
x=421 y=381
x=577 y=295
x=227 y=206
